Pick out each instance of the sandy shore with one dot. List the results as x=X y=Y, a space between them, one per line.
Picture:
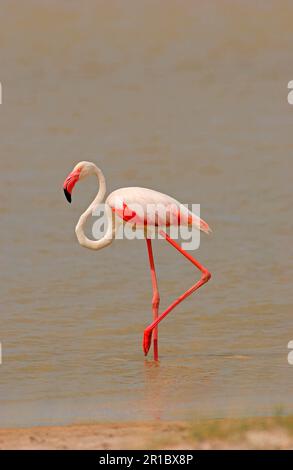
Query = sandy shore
x=256 y=433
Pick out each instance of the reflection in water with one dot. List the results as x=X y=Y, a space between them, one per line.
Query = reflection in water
x=163 y=382
x=154 y=390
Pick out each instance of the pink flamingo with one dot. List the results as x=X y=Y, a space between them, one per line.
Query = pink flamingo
x=121 y=203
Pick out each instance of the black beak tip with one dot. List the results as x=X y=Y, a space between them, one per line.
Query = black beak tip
x=67 y=195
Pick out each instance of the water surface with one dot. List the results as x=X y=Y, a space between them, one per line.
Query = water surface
x=183 y=97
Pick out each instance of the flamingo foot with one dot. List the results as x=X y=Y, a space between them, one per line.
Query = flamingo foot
x=147 y=339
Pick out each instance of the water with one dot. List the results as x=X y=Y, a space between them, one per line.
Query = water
x=190 y=100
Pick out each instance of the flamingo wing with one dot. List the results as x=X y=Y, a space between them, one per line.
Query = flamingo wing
x=144 y=206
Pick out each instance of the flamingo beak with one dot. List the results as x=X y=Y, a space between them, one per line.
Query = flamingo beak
x=67 y=195
x=69 y=183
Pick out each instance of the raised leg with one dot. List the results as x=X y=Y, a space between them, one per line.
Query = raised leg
x=206 y=275
x=156 y=297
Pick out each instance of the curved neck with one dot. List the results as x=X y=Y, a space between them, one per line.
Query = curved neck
x=79 y=229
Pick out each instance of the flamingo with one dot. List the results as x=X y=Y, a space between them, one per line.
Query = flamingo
x=120 y=203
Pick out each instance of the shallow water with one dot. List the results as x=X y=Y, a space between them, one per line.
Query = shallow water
x=189 y=100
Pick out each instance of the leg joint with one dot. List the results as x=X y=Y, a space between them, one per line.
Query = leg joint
x=206 y=276
x=156 y=300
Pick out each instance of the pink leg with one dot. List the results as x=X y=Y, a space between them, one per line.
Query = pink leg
x=206 y=275
x=156 y=296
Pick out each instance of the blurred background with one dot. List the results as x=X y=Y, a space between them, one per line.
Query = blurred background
x=186 y=97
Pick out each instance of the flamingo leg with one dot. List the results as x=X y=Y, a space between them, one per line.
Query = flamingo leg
x=206 y=275
x=156 y=297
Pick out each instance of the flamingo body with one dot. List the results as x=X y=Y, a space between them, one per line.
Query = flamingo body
x=147 y=207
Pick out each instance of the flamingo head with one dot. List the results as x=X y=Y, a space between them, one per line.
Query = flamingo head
x=80 y=171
